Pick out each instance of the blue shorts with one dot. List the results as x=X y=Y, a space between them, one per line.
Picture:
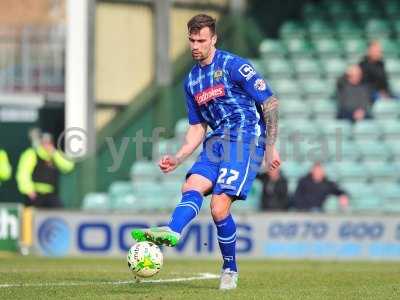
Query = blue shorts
x=230 y=166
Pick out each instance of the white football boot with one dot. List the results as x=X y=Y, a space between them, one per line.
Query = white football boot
x=229 y=280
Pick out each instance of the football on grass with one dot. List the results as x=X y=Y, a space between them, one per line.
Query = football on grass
x=145 y=259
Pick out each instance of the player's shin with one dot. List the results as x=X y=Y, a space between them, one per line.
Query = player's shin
x=226 y=230
x=186 y=210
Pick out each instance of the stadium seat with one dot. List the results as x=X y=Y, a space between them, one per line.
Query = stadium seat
x=145 y=171
x=347 y=29
x=307 y=68
x=383 y=172
x=331 y=205
x=125 y=202
x=337 y=10
x=272 y=49
x=390 y=129
x=366 y=10
x=151 y=196
x=354 y=46
x=299 y=48
x=326 y=47
x=180 y=127
x=120 y=188
x=395 y=84
x=278 y=68
x=377 y=28
x=165 y=146
x=318 y=28
x=390 y=193
x=343 y=150
x=391 y=48
x=314 y=89
x=333 y=68
x=293 y=170
x=373 y=150
x=392 y=9
x=335 y=129
x=363 y=197
x=285 y=88
x=366 y=130
x=324 y=109
x=386 y=109
x=392 y=66
x=394 y=146
x=350 y=171
x=290 y=30
x=396 y=27
x=95 y=201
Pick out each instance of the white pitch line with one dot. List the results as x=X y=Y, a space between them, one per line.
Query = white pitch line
x=201 y=276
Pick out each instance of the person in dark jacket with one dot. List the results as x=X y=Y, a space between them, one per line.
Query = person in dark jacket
x=275 y=191
x=314 y=188
x=38 y=171
x=353 y=96
x=374 y=73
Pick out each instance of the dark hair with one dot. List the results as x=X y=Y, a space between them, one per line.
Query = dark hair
x=198 y=22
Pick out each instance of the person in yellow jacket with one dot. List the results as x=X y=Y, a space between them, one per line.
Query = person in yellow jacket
x=38 y=172
x=5 y=167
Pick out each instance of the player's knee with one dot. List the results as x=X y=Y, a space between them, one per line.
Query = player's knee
x=218 y=211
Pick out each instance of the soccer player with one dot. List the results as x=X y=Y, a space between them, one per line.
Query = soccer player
x=222 y=91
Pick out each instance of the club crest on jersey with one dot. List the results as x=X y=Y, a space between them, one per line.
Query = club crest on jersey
x=210 y=93
x=247 y=71
x=218 y=75
x=260 y=85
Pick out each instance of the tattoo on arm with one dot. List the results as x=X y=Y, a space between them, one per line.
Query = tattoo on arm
x=271 y=116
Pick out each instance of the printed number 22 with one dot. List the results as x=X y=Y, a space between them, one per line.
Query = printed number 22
x=233 y=175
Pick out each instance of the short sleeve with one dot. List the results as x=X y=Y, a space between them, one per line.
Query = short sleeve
x=244 y=74
x=192 y=108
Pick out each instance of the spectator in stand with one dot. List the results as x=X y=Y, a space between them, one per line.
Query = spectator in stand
x=353 y=95
x=374 y=74
x=275 y=191
x=314 y=188
x=5 y=167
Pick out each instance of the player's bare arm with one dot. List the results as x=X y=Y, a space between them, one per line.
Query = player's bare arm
x=193 y=138
x=271 y=117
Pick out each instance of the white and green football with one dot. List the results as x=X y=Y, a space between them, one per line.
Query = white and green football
x=145 y=259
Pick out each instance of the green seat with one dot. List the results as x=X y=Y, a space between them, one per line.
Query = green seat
x=292 y=109
x=293 y=170
x=363 y=197
x=385 y=109
x=392 y=9
x=337 y=10
x=372 y=150
x=125 y=202
x=395 y=84
x=290 y=30
x=299 y=48
x=390 y=193
x=377 y=28
x=331 y=205
x=95 y=201
x=343 y=150
x=253 y=200
x=354 y=46
x=379 y=171
x=318 y=28
x=165 y=146
x=349 y=171
x=335 y=129
x=145 y=171
x=272 y=49
x=366 y=10
x=325 y=47
x=367 y=130
x=347 y=29
x=314 y=89
x=306 y=68
x=151 y=196
x=394 y=146
x=391 y=48
x=120 y=187
x=310 y=10
x=278 y=68
x=324 y=109
x=392 y=66
x=285 y=88
x=181 y=127
x=334 y=67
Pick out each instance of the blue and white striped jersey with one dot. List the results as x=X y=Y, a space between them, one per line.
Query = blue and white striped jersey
x=227 y=95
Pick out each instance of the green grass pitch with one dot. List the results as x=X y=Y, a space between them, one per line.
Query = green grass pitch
x=101 y=278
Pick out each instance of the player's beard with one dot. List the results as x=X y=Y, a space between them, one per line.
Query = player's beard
x=199 y=57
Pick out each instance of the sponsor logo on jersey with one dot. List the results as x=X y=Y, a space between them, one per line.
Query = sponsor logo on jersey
x=247 y=71
x=218 y=74
x=260 y=85
x=208 y=94
x=197 y=81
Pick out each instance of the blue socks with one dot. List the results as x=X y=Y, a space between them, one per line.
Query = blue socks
x=186 y=210
x=226 y=231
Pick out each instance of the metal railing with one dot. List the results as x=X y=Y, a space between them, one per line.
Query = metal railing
x=32 y=59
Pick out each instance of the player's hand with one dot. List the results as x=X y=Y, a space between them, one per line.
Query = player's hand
x=32 y=196
x=272 y=158
x=168 y=163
